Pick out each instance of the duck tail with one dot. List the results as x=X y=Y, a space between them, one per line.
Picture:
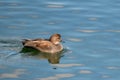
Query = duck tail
x=24 y=41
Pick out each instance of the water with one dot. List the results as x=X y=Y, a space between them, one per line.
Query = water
x=90 y=30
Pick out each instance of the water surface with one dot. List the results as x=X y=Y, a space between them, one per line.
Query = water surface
x=90 y=30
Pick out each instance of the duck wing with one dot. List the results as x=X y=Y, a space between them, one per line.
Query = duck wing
x=25 y=41
x=44 y=45
x=40 y=44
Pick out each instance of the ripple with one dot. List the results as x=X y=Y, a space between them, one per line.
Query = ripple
x=55 y=5
x=74 y=39
x=113 y=67
x=14 y=74
x=113 y=31
x=34 y=16
x=93 y=18
x=88 y=31
x=85 y=72
x=10 y=3
x=15 y=27
x=105 y=76
x=57 y=76
x=64 y=75
x=67 y=65
x=10 y=44
x=51 y=23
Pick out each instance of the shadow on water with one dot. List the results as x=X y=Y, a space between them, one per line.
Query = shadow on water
x=52 y=58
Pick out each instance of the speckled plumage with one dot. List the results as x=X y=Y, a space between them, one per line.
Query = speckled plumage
x=51 y=45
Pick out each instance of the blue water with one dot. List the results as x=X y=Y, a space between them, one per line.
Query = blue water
x=90 y=30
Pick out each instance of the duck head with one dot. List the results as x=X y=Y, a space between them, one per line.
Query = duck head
x=55 y=38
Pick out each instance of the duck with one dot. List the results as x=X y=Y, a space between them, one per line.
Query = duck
x=51 y=45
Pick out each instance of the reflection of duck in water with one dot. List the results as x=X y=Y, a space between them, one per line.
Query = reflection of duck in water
x=52 y=58
x=51 y=45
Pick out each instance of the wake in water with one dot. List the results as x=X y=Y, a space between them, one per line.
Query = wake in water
x=9 y=48
x=13 y=48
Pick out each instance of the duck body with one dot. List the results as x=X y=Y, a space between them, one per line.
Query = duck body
x=51 y=45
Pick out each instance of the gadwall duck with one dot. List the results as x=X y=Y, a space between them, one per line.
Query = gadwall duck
x=51 y=45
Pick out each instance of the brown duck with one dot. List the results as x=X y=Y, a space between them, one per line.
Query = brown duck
x=51 y=45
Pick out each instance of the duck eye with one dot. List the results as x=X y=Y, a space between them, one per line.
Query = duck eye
x=58 y=38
